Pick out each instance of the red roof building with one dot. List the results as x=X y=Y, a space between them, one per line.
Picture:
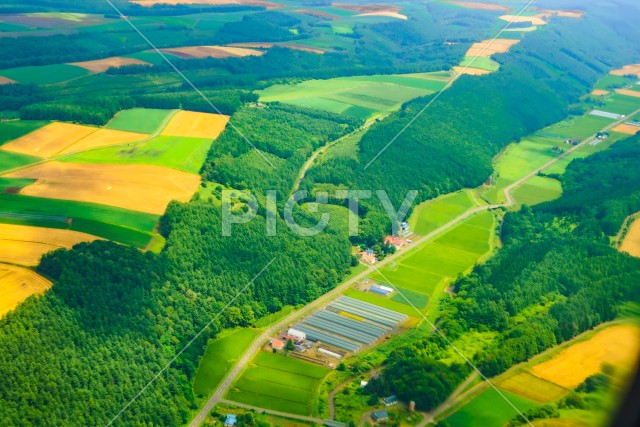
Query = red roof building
x=277 y=344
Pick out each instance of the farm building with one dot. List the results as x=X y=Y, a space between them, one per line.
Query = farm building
x=607 y=115
x=368 y=256
x=296 y=334
x=394 y=241
x=349 y=324
x=602 y=135
x=379 y=415
x=572 y=141
x=330 y=353
x=277 y=344
x=390 y=400
x=381 y=290
x=230 y=420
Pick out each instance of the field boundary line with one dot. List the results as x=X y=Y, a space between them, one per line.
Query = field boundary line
x=456 y=349
x=449 y=84
x=186 y=79
x=173 y=359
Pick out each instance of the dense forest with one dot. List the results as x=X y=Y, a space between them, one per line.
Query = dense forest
x=557 y=274
x=469 y=124
x=116 y=316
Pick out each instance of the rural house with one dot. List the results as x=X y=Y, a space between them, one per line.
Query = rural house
x=379 y=415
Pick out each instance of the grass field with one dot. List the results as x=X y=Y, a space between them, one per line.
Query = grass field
x=219 y=357
x=489 y=409
x=533 y=388
x=361 y=97
x=16 y=128
x=120 y=225
x=278 y=383
x=538 y=190
x=577 y=362
x=430 y=215
x=17 y=284
x=435 y=264
x=25 y=245
x=621 y=104
x=142 y=120
x=10 y=160
x=185 y=154
x=480 y=62
x=44 y=75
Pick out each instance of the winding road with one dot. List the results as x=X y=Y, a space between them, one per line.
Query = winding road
x=326 y=298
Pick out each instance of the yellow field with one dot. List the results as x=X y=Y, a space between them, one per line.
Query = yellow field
x=211 y=52
x=196 y=125
x=599 y=92
x=627 y=70
x=17 y=284
x=25 y=245
x=627 y=92
x=631 y=242
x=625 y=128
x=385 y=13
x=49 y=140
x=532 y=387
x=140 y=188
x=535 y=20
x=6 y=80
x=481 y=6
x=102 y=65
x=488 y=48
x=103 y=138
x=471 y=71
x=617 y=345
x=261 y=45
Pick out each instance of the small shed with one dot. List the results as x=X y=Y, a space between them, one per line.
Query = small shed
x=390 y=400
x=297 y=334
x=381 y=290
x=380 y=415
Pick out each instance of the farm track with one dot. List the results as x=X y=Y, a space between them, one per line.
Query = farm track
x=257 y=344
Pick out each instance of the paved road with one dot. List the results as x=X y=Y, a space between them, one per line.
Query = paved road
x=326 y=298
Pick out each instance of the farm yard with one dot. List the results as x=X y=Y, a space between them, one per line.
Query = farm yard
x=278 y=383
x=362 y=97
x=18 y=284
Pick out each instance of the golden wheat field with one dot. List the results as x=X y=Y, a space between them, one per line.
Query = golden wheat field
x=49 y=140
x=627 y=70
x=488 y=48
x=531 y=387
x=616 y=345
x=631 y=242
x=6 y=81
x=196 y=125
x=142 y=188
x=599 y=92
x=17 y=284
x=103 y=138
x=102 y=65
x=628 y=92
x=625 y=128
x=212 y=52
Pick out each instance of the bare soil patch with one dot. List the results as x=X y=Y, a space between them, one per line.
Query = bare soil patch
x=190 y=52
x=102 y=65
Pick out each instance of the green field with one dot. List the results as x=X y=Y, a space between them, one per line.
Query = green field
x=405 y=296
x=360 y=97
x=538 y=190
x=10 y=160
x=436 y=263
x=621 y=104
x=489 y=409
x=480 y=62
x=219 y=357
x=13 y=183
x=45 y=75
x=119 y=225
x=279 y=383
x=185 y=154
x=142 y=120
x=398 y=305
x=430 y=215
x=14 y=129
